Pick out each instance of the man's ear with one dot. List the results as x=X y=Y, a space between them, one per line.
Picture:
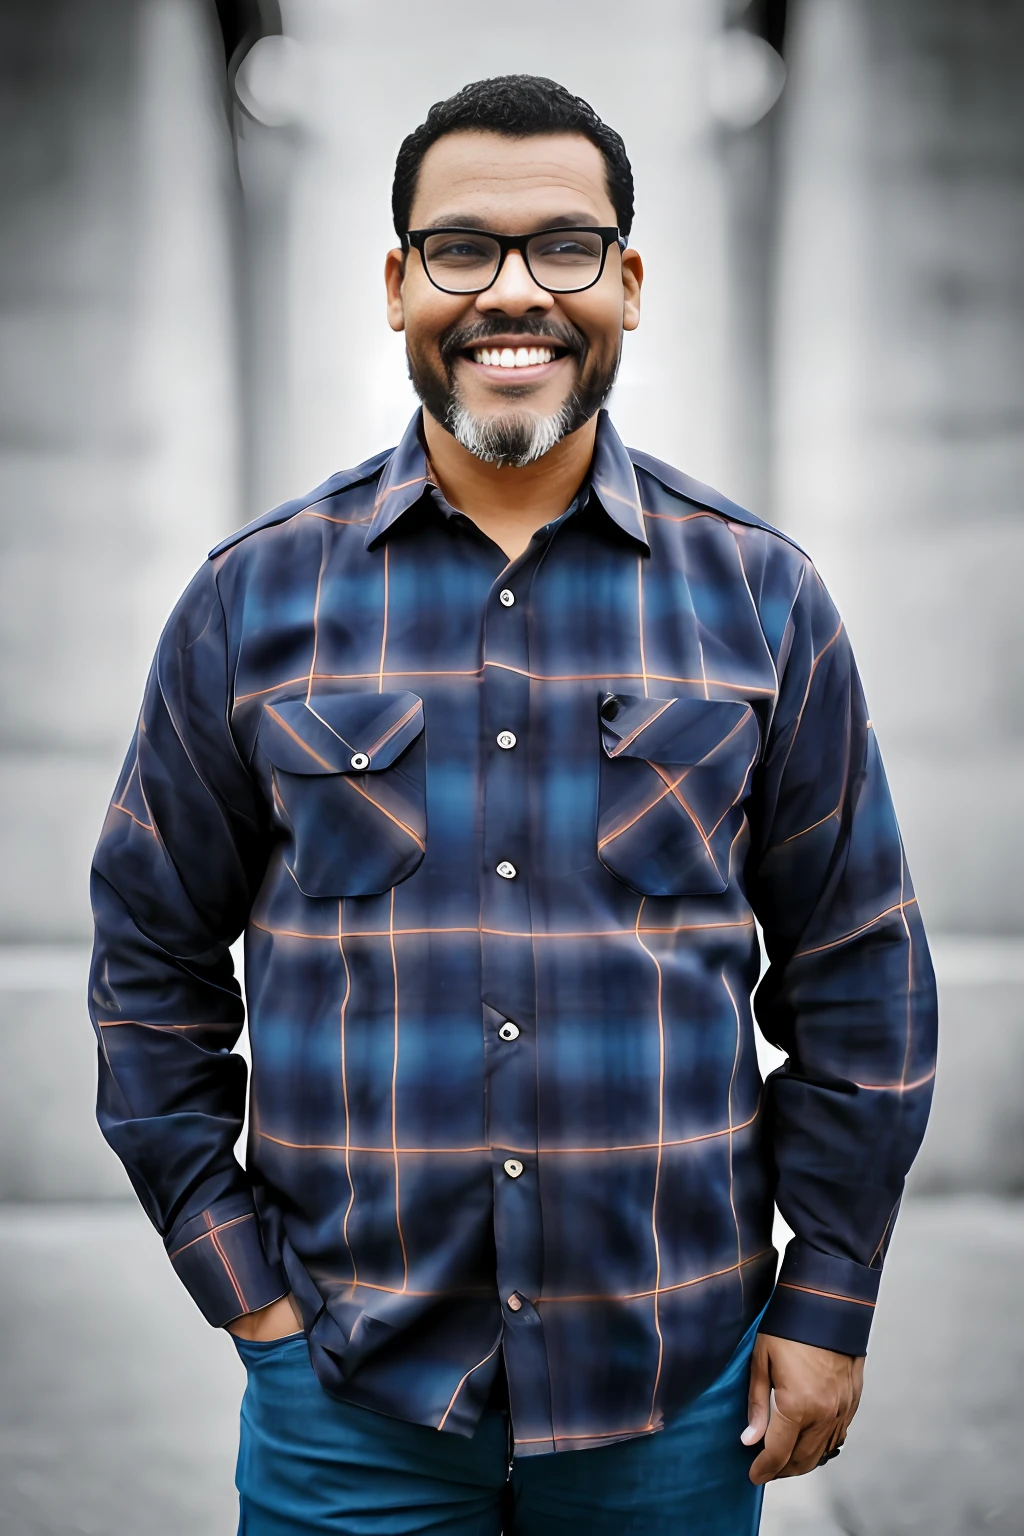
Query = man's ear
x=632 y=282
x=394 y=272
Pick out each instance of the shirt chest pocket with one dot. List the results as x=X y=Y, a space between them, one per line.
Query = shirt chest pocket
x=673 y=774
x=348 y=776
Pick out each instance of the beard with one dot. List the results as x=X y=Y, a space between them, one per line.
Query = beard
x=515 y=437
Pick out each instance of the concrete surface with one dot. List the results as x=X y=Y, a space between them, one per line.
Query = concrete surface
x=119 y=1406
x=899 y=376
x=118 y=410
x=50 y=1144
x=975 y=1136
x=936 y=1451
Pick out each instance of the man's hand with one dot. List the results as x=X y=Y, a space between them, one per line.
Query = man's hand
x=817 y=1393
x=274 y=1322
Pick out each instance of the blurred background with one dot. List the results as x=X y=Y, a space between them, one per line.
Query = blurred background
x=194 y=209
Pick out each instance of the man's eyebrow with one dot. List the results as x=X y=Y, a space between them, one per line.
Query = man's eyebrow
x=570 y=221
x=473 y=221
x=456 y=221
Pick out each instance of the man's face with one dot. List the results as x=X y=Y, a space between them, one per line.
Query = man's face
x=512 y=186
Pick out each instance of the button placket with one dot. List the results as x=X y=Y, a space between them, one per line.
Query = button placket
x=507 y=969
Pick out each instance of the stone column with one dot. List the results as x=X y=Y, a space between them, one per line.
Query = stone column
x=900 y=461
x=118 y=450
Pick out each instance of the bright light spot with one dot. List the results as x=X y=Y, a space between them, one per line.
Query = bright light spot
x=271 y=81
x=745 y=77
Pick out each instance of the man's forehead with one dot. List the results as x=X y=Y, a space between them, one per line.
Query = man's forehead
x=482 y=176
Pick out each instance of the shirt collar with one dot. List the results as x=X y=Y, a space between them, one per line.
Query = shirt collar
x=612 y=481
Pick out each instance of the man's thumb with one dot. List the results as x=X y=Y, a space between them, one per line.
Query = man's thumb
x=758 y=1398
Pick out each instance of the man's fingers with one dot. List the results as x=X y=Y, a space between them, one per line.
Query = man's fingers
x=812 y=1444
x=758 y=1398
x=779 y=1442
x=842 y=1428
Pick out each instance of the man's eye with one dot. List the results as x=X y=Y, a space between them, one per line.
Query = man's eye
x=459 y=251
x=565 y=248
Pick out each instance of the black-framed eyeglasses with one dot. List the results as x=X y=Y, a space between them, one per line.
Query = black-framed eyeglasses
x=469 y=260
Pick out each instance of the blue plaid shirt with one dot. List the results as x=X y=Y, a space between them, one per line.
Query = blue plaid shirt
x=497 y=835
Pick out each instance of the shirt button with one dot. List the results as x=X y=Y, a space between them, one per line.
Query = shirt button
x=506 y=739
x=506 y=870
x=359 y=760
x=508 y=1031
x=513 y=1303
x=513 y=1167
x=506 y=598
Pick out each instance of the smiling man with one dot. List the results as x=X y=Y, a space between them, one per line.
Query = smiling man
x=498 y=748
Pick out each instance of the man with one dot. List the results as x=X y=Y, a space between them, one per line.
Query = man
x=495 y=747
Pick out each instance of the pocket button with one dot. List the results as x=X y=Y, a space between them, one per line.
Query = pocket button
x=359 y=761
x=508 y=1031
x=513 y=1167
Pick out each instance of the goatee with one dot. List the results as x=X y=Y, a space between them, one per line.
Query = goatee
x=519 y=437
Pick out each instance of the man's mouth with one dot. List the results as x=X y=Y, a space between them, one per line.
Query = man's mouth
x=514 y=357
x=519 y=356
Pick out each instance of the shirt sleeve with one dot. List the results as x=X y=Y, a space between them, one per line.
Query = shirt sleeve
x=849 y=993
x=179 y=861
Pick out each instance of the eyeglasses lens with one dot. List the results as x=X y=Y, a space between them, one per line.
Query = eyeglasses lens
x=562 y=261
x=461 y=263
x=565 y=260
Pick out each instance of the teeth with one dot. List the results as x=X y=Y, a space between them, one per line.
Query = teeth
x=506 y=357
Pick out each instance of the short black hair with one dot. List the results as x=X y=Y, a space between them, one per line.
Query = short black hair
x=517 y=106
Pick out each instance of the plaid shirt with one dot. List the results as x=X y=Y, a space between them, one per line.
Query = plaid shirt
x=497 y=835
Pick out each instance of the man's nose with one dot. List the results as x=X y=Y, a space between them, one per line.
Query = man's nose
x=514 y=291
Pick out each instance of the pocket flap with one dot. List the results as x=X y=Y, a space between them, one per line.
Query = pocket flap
x=339 y=732
x=685 y=731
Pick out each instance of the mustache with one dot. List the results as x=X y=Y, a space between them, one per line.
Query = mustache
x=459 y=337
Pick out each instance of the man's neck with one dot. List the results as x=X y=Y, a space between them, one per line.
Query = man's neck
x=509 y=505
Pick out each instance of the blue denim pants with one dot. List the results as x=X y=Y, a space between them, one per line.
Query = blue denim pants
x=309 y=1465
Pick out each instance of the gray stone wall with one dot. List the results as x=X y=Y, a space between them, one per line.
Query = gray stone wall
x=118 y=469
x=899 y=461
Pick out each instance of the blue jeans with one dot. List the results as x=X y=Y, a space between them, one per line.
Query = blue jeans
x=309 y=1465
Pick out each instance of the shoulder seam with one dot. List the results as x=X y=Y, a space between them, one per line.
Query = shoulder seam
x=693 y=491
x=344 y=480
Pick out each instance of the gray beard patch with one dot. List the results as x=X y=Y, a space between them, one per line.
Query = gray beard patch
x=515 y=440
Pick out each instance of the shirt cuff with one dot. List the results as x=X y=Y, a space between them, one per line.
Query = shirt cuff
x=218 y=1256
x=823 y=1300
